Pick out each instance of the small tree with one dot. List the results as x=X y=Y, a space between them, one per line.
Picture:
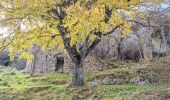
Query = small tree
x=74 y=25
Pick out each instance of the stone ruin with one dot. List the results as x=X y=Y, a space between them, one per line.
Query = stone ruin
x=16 y=63
x=56 y=60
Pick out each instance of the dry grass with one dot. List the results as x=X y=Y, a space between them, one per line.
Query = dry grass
x=162 y=67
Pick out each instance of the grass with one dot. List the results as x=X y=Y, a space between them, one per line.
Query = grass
x=17 y=85
x=127 y=92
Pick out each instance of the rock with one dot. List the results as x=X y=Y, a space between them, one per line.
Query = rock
x=107 y=80
x=118 y=81
x=96 y=81
x=123 y=66
x=153 y=78
x=141 y=71
x=19 y=64
x=140 y=76
x=110 y=80
x=137 y=80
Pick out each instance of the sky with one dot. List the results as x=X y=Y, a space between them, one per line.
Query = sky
x=165 y=5
x=3 y=31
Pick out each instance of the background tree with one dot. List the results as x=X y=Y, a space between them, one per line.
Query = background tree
x=74 y=25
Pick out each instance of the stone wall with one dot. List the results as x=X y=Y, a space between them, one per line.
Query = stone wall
x=17 y=63
x=45 y=61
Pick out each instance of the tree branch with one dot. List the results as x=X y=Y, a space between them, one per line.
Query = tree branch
x=72 y=51
x=113 y=30
x=2 y=48
x=142 y=24
x=88 y=48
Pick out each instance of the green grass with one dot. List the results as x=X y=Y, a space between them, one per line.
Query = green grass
x=127 y=92
x=16 y=85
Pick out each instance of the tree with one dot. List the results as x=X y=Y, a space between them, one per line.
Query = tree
x=74 y=25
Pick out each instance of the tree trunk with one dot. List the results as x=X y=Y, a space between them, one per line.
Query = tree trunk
x=147 y=46
x=119 y=47
x=78 y=74
x=33 y=65
x=119 y=50
x=76 y=56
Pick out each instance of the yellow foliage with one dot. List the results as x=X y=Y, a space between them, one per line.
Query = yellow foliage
x=81 y=19
x=27 y=56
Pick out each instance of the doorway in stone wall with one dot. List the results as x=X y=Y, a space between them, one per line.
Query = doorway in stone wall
x=59 y=64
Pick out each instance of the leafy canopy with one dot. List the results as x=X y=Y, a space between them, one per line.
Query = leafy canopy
x=37 y=21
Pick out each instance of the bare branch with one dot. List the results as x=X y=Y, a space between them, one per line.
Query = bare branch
x=142 y=24
x=5 y=46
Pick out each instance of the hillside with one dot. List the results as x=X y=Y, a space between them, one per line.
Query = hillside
x=84 y=49
x=18 y=85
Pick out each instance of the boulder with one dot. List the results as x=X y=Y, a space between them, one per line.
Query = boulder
x=153 y=78
x=137 y=80
x=109 y=79
x=131 y=48
x=113 y=80
x=19 y=64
